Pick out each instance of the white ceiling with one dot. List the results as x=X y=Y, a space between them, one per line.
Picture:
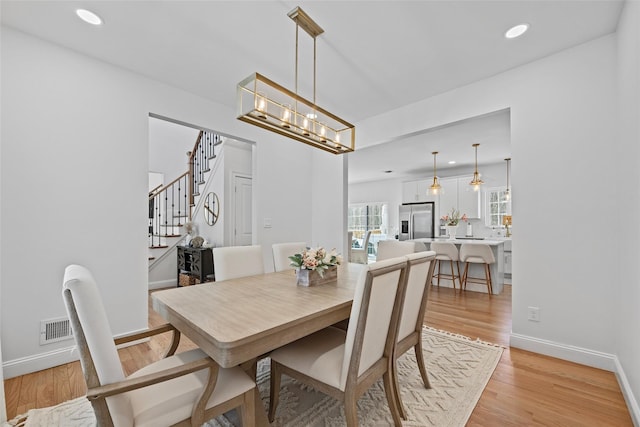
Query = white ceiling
x=374 y=56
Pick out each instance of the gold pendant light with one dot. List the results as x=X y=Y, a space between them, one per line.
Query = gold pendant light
x=270 y=106
x=507 y=193
x=435 y=188
x=476 y=182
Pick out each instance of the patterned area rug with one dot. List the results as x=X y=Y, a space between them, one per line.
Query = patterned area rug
x=459 y=369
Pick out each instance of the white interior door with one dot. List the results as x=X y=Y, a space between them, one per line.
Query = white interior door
x=242 y=235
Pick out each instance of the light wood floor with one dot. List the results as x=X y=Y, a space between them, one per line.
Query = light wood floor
x=525 y=390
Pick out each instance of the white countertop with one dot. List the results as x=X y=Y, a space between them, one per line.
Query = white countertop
x=486 y=241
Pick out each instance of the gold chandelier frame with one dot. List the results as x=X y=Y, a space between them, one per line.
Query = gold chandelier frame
x=266 y=104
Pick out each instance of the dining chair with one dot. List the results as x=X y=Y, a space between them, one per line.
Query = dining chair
x=183 y=389
x=282 y=252
x=419 y=272
x=394 y=248
x=231 y=262
x=344 y=364
x=361 y=255
x=477 y=254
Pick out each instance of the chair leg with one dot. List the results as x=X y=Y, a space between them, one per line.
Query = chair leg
x=453 y=276
x=274 y=391
x=489 y=284
x=421 y=365
x=350 y=409
x=439 y=270
x=464 y=277
x=459 y=276
x=396 y=391
x=248 y=409
x=391 y=398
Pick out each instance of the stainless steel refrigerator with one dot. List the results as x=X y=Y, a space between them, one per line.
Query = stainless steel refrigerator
x=416 y=221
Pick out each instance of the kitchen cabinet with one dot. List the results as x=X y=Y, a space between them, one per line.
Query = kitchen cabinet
x=416 y=191
x=507 y=261
x=459 y=194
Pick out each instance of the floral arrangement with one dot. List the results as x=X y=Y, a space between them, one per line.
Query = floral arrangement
x=453 y=218
x=316 y=259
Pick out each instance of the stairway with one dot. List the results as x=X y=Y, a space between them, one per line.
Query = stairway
x=171 y=206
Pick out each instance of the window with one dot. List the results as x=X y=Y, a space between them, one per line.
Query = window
x=497 y=206
x=365 y=217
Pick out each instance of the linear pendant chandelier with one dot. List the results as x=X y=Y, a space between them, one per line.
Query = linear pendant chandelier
x=268 y=105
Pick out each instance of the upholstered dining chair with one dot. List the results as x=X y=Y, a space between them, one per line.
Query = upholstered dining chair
x=231 y=262
x=419 y=272
x=394 y=248
x=183 y=389
x=344 y=364
x=361 y=255
x=477 y=254
x=282 y=252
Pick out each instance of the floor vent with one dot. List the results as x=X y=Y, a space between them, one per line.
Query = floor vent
x=54 y=330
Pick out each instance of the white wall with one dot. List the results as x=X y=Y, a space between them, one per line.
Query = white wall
x=168 y=146
x=80 y=126
x=285 y=192
x=627 y=154
x=562 y=131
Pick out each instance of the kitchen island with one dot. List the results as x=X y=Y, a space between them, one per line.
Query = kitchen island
x=475 y=270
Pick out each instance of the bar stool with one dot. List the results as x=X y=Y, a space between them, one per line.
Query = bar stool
x=446 y=251
x=477 y=254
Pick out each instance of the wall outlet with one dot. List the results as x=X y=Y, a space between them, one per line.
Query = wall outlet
x=267 y=223
x=533 y=314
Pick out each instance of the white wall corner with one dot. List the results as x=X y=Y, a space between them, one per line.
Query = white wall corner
x=583 y=356
x=627 y=392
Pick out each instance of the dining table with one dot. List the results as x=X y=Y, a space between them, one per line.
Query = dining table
x=239 y=320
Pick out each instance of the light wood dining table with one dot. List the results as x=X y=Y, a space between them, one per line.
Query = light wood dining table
x=236 y=321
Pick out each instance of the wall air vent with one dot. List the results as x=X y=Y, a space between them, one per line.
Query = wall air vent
x=54 y=330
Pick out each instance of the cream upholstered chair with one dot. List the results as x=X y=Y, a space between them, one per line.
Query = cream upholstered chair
x=361 y=255
x=447 y=251
x=393 y=248
x=176 y=389
x=231 y=262
x=344 y=364
x=419 y=272
x=282 y=252
x=477 y=254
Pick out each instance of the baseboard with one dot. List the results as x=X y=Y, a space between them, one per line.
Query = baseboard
x=49 y=359
x=632 y=402
x=583 y=356
x=38 y=362
x=161 y=284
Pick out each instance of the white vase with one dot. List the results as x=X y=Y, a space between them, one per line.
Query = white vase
x=451 y=231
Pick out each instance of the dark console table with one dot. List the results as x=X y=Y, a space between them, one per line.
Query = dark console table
x=195 y=263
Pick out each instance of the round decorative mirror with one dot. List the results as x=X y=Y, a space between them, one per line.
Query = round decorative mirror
x=211 y=208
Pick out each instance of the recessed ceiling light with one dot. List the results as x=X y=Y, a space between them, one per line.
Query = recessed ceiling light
x=516 y=31
x=452 y=162
x=89 y=17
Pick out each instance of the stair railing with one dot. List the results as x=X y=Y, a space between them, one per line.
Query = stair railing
x=169 y=209
x=170 y=206
x=203 y=151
